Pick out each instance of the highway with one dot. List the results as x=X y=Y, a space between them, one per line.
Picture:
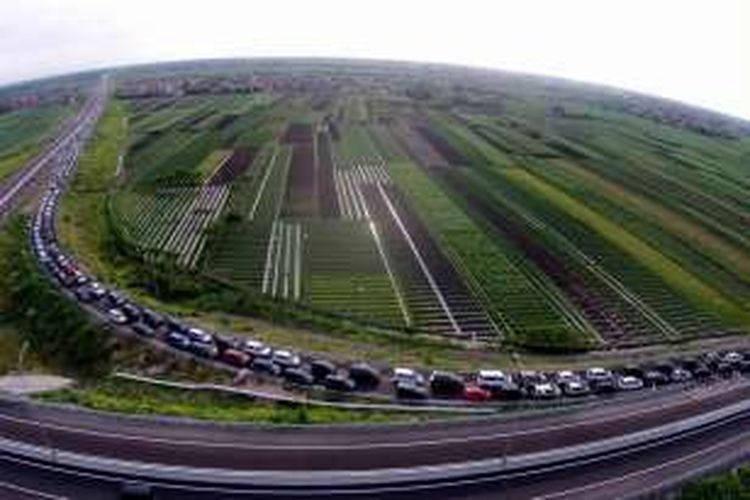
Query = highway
x=233 y=457
x=23 y=181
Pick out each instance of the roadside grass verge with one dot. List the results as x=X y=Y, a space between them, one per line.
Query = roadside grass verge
x=82 y=220
x=120 y=396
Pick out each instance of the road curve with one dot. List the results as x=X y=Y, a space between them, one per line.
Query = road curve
x=247 y=450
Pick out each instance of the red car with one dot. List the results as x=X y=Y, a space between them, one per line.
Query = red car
x=476 y=394
x=236 y=358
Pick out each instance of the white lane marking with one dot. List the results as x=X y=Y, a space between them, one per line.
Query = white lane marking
x=28 y=491
x=577 y=492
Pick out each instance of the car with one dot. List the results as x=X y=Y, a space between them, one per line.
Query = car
x=575 y=388
x=151 y=318
x=236 y=358
x=543 y=390
x=665 y=367
x=733 y=358
x=697 y=368
x=407 y=376
x=566 y=376
x=142 y=329
x=681 y=375
x=266 y=366
x=114 y=299
x=527 y=378
x=499 y=384
x=653 y=378
x=364 y=376
x=725 y=370
x=298 y=376
x=408 y=390
x=178 y=340
x=321 y=368
x=117 y=317
x=224 y=342
x=286 y=359
x=476 y=394
x=629 y=383
x=632 y=371
x=257 y=349
x=491 y=379
x=200 y=336
x=83 y=294
x=340 y=383
x=600 y=380
x=204 y=349
x=132 y=311
x=175 y=325
x=446 y=384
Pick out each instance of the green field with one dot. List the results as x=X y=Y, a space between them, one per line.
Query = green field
x=504 y=210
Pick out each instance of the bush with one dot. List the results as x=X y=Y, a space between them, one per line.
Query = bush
x=57 y=330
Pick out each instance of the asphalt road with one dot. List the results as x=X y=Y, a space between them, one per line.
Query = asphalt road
x=360 y=447
x=619 y=477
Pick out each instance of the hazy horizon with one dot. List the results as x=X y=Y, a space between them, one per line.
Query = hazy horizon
x=697 y=53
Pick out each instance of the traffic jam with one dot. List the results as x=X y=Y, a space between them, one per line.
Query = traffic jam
x=303 y=371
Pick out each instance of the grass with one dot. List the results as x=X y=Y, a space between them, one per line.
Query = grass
x=83 y=224
x=682 y=281
x=127 y=397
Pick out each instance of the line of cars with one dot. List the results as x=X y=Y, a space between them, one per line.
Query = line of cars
x=305 y=371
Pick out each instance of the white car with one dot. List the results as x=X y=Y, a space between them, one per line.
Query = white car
x=198 y=335
x=407 y=376
x=257 y=349
x=491 y=378
x=544 y=390
x=629 y=383
x=117 y=316
x=286 y=359
x=566 y=377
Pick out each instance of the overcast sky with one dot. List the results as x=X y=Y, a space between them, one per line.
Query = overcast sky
x=692 y=50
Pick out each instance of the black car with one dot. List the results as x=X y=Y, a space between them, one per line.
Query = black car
x=446 y=384
x=364 y=376
x=152 y=319
x=265 y=365
x=132 y=311
x=178 y=340
x=84 y=294
x=298 y=376
x=321 y=368
x=340 y=383
x=142 y=329
x=405 y=390
x=633 y=371
x=653 y=378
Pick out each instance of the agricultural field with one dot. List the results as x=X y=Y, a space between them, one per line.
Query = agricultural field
x=484 y=209
x=22 y=133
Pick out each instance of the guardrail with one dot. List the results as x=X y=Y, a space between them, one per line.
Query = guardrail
x=371 y=482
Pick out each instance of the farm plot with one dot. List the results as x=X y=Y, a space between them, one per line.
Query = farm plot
x=301 y=190
x=527 y=309
x=348 y=184
x=327 y=193
x=440 y=144
x=419 y=149
x=617 y=314
x=282 y=274
x=241 y=255
x=687 y=304
x=355 y=145
x=464 y=314
x=345 y=274
x=172 y=222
